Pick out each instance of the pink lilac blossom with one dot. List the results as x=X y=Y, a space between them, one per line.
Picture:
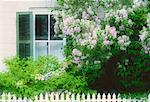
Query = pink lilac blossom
x=76 y=52
x=111 y=30
x=76 y=60
x=107 y=42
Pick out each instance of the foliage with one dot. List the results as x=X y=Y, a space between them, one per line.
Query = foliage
x=29 y=77
x=137 y=95
x=98 y=31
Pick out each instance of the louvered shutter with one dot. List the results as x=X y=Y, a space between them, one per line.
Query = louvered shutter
x=24 y=34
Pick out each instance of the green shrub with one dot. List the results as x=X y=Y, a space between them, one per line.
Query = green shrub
x=29 y=77
x=102 y=32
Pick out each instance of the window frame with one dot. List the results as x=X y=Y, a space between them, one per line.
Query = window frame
x=33 y=32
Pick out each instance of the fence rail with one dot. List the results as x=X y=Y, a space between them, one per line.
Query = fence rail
x=56 y=97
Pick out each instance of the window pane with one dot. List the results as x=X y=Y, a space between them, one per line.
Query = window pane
x=24 y=27
x=24 y=50
x=56 y=50
x=41 y=49
x=53 y=36
x=41 y=27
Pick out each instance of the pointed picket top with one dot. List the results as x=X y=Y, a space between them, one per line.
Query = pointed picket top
x=88 y=97
x=9 y=96
x=104 y=97
x=41 y=97
x=78 y=97
x=114 y=96
x=36 y=98
x=19 y=99
x=62 y=96
x=109 y=96
x=73 y=97
x=134 y=100
x=119 y=98
x=93 y=96
x=25 y=98
x=67 y=97
x=52 y=96
x=3 y=97
x=83 y=96
x=56 y=96
x=14 y=98
x=98 y=96
x=46 y=96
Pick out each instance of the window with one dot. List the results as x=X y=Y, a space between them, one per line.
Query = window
x=36 y=36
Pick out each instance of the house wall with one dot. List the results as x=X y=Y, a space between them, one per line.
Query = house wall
x=8 y=9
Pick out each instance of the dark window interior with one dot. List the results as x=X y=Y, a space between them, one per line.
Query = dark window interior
x=41 y=27
x=24 y=50
x=24 y=27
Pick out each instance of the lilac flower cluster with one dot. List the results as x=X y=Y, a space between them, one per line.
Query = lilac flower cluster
x=92 y=14
x=76 y=56
x=123 y=42
x=70 y=25
x=145 y=40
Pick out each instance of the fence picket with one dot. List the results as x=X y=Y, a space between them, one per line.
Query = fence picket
x=14 y=98
x=52 y=97
x=88 y=97
x=109 y=97
x=62 y=97
x=9 y=97
x=114 y=99
x=46 y=97
x=103 y=97
x=57 y=97
x=3 y=97
x=25 y=99
x=93 y=98
x=99 y=97
x=83 y=97
x=41 y=98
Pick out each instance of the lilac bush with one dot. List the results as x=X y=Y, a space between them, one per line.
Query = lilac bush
x=99 y=31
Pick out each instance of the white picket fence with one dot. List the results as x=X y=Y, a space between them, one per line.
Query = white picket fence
x=56 y=97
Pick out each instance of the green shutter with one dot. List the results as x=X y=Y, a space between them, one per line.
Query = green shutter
x=24 y=29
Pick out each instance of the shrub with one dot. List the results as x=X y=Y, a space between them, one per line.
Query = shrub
x=29 y=77
x=96 y=37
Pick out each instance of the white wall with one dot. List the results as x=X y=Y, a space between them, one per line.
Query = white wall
x=8 y=9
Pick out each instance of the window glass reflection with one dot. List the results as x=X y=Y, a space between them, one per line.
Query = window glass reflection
x=56 y=50
x=41 y=27
x=41 y=49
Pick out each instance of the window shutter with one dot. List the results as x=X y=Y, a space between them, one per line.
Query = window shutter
x=24 y=21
